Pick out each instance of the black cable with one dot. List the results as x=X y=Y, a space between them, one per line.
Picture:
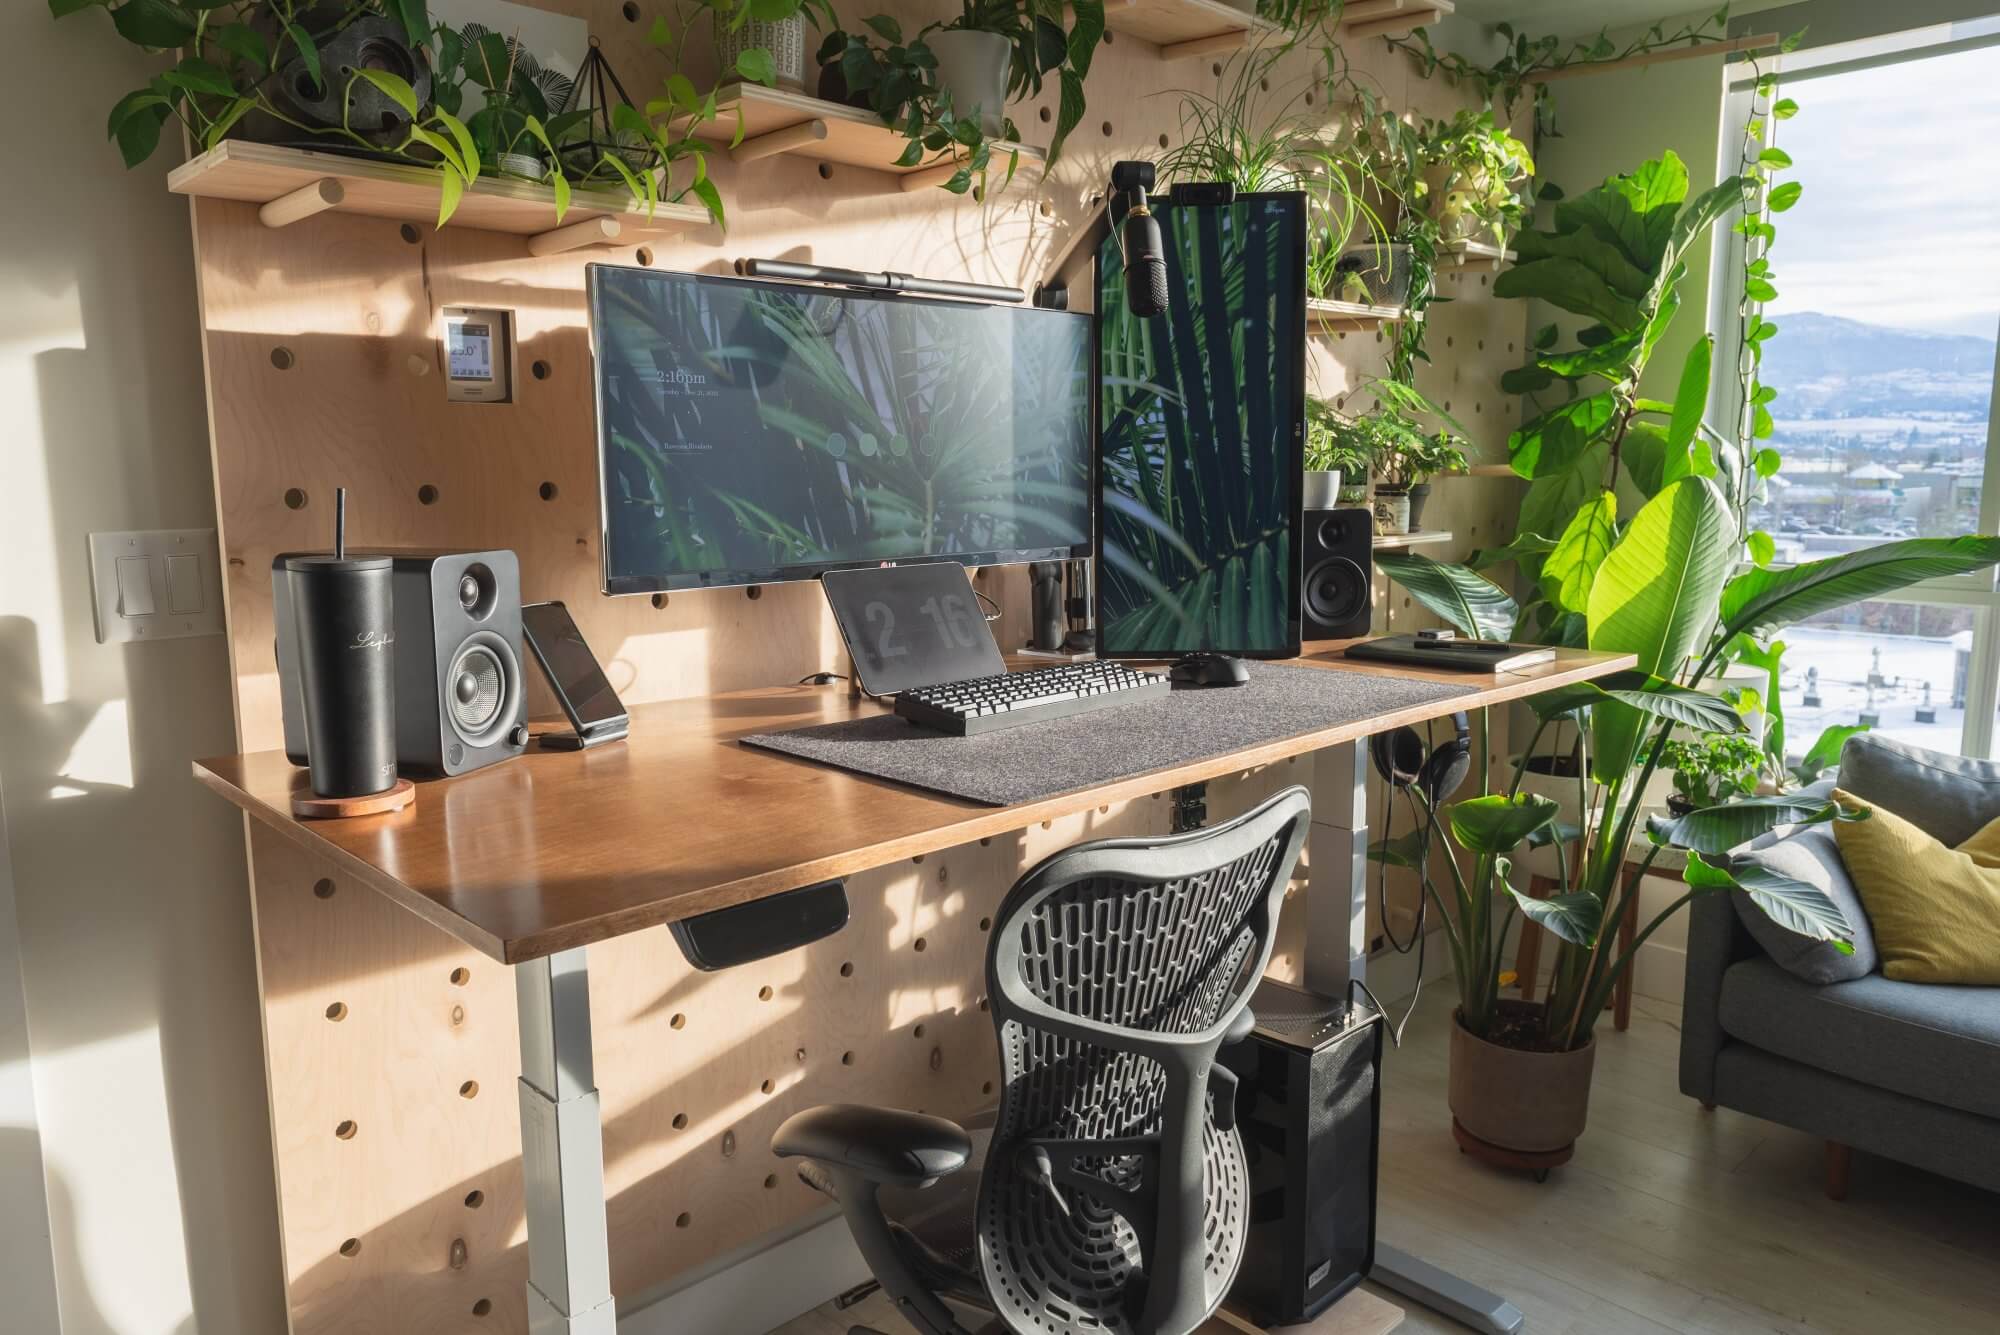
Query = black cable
x=994 y=615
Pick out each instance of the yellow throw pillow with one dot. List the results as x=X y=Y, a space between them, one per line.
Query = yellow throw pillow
x=1935 y=911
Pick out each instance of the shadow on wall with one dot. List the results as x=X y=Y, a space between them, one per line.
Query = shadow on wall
x=133 y=914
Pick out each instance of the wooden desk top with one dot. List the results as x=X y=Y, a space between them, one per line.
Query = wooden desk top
x=558 y=849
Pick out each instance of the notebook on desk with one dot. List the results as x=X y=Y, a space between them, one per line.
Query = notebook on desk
x=1453 y=655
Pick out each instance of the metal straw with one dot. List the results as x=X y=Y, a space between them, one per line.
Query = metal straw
x=340 y=523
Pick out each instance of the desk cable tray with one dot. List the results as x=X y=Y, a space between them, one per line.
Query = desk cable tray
x=1087 y=750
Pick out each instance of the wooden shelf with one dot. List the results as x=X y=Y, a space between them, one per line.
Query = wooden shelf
x=1491 y=470
x=1186 y=28
x=1348 y=317
x=776 y=121
x=1391 y=18
x=1396 y=542
x=294 y=183
x=1474 y=256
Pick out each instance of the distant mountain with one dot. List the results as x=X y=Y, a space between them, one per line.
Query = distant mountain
x=1824 y=365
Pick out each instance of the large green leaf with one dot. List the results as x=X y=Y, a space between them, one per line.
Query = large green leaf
x=1525 y=543
x=1646 y=695
x=1569 y=284
x=1794 y=905
x=1824 y=753
x=1556 y=440
x=155 y=23
x=1691 y=398
x=1572 y=567
x=1497 y=823
x=1575 y=918
x=1654 y=597
x=1758 y=600
x=1471 y=603
x=1655 y=593
x=1717 y=829
x=1554 y=497
x=1635 y=213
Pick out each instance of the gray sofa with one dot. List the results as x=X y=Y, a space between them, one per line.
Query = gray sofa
x=1794 y=1032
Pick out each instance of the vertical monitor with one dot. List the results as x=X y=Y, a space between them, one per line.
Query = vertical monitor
x=750 y=431
x=1201 y=434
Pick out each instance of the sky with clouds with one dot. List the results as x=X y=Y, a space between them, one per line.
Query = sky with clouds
x=1900 y=220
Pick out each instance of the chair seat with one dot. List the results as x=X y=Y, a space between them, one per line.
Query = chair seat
x=1934 y=1041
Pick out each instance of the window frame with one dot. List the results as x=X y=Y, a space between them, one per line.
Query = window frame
x=1979 y=590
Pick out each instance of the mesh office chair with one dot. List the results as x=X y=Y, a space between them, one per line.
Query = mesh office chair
x=1110 y=1181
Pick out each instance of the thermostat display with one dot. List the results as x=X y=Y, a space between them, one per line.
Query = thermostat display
x=478 y=355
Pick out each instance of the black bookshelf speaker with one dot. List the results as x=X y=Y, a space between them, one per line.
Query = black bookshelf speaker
x=1309 y=1108
x=1340 y=573
x=459 y=692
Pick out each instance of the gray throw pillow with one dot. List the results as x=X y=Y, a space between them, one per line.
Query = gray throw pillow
x=1948 y=797
x=1812 y=856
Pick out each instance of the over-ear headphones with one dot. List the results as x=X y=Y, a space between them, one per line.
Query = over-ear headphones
x=1400 y=759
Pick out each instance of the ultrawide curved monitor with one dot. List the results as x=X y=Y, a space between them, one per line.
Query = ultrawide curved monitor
x=750 y=432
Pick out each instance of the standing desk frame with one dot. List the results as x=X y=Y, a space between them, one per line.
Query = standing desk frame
x=543 y=926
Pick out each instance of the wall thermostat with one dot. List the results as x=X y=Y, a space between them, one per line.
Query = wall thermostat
x=478 y=355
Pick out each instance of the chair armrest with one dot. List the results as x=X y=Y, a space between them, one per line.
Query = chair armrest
x=1716 y=939
x=882 y=1145
x=1241 y=1027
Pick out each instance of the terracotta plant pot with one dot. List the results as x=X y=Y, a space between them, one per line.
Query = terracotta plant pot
x=1516 y=1100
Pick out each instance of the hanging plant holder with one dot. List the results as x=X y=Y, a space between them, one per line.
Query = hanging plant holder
x=593 y=105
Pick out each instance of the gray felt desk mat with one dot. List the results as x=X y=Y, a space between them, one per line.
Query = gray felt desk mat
x=1039 y=760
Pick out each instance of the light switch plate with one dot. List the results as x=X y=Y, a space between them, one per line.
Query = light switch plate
x=158 y=584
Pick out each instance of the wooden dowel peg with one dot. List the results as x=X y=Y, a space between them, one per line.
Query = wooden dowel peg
x=803 y=135
x=926 y=177
x=1363 y=11
x=591 y=232
x=1206 y=46
x=1395 y=25
x=323 y=194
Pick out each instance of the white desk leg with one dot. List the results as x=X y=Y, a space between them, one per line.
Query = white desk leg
x=1336 y=952
x=562 y=1152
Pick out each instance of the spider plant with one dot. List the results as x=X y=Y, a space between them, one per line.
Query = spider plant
x=1259 y=141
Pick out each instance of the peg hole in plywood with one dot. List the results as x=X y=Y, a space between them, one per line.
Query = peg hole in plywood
x=540 y=370
x=754 y=592
x=826 y=171
x=644 y=255
x=1106 y=127
x=474 y=1199
x=847 y=969
x=679 y=1021
x=351 y=1248
x=770 y=1182
x=482 y=1307
x=282 y=358
x=411 y=234
x=548 y=491
x=683 y=1219
x=427 y=494
x=323 y=888
x=847 y=1059
x=986 y=924
x=345 y=1130
x=1046 y=117
x=919 y=945
x=986 y=1088
x=918 y=1032
x=337 y=1012
x=1216 y=69
x=764 y=993
x=461 y=976
x=295 y=499
x=630 y=11
x=768 y=1086
x=469 y=1090
x=680 y=1121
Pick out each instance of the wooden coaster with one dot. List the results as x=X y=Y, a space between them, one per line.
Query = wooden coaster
x=308 y=806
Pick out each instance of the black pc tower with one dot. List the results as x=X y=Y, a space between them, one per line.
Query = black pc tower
x=1309 y=1109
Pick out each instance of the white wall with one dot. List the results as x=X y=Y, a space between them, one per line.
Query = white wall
x=134 y=932
x=27 y=1266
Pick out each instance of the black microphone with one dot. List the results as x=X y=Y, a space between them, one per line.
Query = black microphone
x=1139 y=235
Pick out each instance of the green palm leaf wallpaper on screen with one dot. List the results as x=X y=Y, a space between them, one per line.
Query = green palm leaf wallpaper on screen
x=752 y=431
x=1201 y=423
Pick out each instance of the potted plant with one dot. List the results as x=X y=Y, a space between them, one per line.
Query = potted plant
x=1409 y=452
x=513 y=92
x=1337 y=452
x=1710 y=770
x=1244 y=136
x=747 y=29
x=897 y=81
x=1471 y=169
x=1426 y=456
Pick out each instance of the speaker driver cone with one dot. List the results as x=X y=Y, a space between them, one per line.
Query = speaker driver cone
x=1336 y=590
x=480 y=689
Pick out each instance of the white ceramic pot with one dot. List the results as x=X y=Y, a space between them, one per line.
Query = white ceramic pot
x=522 y=164
x=785 y=40
x=973 y=67
x=1322 y=490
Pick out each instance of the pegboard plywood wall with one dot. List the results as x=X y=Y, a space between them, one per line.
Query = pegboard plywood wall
x=323 y=368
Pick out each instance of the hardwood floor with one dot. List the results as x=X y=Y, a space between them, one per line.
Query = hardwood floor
x=1670 y=1219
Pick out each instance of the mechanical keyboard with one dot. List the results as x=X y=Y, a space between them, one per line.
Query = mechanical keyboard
x=988 y=704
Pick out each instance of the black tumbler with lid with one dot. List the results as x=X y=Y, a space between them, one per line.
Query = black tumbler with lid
x=346 y=623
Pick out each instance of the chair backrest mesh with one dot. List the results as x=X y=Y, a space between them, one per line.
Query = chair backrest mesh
x=1161 y=938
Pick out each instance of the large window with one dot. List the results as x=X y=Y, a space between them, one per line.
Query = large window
x=1888 y=305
